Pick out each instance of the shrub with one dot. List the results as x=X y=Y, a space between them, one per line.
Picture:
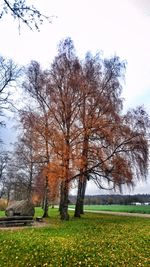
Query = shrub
x=3 y=204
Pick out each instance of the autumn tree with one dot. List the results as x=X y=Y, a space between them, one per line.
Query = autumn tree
x=36 y=86
x=52 y=172
x=27 y=152
x=46 y=179
x=107 y=146
x=36 y=139
x=29 y=158
x=99 y=109
x=65 y=103
x=110 y=146
x=57 y=98
x=85 y=133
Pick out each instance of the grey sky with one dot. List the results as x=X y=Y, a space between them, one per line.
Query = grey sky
x=142 y=5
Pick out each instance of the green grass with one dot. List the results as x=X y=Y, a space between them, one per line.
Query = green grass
x=94 y=240
x=119 y=208
x=2 y=213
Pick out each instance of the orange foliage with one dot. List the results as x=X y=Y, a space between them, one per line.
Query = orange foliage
x=79 y=127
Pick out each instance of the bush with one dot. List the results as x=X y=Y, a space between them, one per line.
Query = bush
x=3 y=204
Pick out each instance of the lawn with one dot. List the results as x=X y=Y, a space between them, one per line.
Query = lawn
x=94 y=240
x=119 y=208
x=2 y=213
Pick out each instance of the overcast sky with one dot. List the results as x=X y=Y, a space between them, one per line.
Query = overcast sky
x=120 y=27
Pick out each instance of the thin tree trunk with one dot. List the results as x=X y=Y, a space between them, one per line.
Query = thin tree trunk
x=45 y=206
x=29 y=189
x=80 y=196
x=79 y=209
x=61 y=198
x=8 y=195
x=83 y=195
x=78 y=201
x=63 y=208
x=46 y=202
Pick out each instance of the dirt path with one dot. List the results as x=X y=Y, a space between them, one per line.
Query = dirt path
x=118 y=213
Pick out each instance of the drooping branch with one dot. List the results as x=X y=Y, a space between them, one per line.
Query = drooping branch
x=26 y=14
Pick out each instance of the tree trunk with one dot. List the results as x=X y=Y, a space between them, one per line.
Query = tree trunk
x=80 y=196
x=79 y=209
x=63 y=207
x=45 y=204
x=83 y=195
x=29 y=191
x=8 y=195
x=78 y=201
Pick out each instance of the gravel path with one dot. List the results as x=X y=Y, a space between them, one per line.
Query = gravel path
x=121 y=213
x=34 y=225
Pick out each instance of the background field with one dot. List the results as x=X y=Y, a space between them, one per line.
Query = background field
x=119 y=208
x=94 y=240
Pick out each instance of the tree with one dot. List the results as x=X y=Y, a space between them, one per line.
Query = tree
x=129 y=157
x=36 y=86
x=15 y=182
x=79 y=114
x=112 y=139
x=100 y=106
x=57 y=98
x=9 y=72
x=65 y=103
x=38 y=131
x=24 y=13
x=27 y=153
x=3 y=166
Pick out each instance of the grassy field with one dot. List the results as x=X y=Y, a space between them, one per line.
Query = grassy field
x=119 y=208
x=94 y=240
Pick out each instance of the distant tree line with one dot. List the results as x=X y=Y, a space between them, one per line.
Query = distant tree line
x=113 y=199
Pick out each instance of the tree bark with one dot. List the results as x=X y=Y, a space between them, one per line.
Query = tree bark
x=79 y=208
x=78 y=201
x=63 y=208
x=45 y=204
x=83 y=195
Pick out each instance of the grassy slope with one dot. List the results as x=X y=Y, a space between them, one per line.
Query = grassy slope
x=94 y=240
x=119 y=208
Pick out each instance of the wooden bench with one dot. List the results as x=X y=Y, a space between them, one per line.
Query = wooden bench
x=16 y=221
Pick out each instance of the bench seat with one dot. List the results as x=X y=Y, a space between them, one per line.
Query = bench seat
x=16 y=221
